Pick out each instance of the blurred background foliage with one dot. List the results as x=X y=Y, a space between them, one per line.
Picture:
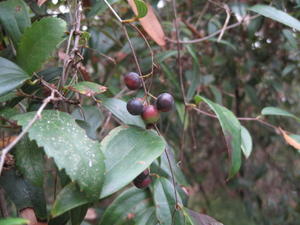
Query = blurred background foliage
x=255 y=65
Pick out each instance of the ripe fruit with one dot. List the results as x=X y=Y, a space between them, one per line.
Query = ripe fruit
x=150 y=114
x=143 y=180
x=132 y=81
x=135 y=106
x=164 y=102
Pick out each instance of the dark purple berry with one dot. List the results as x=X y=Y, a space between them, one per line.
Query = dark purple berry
x=164 y=102
x=135 y=106
x=150 y=114
x=132 y=81
x=142 y=180
x=145 y=183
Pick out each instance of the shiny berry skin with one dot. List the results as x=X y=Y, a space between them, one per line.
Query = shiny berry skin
x=143 y=180
x=145 y=183
x=150 y=114
x=135 y=106
x=133 y=81
x=164 y=102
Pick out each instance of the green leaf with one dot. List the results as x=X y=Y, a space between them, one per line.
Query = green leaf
x=71 y=149
x=141 y=8
x=274 y=111
x=87 y=88
x=128 y=152
x=246 y=142
x=11 y=76
x=23 y=194
x=14 y=17
x=13 y=221
x=38 y=42
x=78 y=214
x=183 y=116
x=130 y=201
x=164 y=199
x=147 y=216
x=89 y=118
x=68 y=198
x=194 y=218
x=277 y=15
x=30 y=161
x=232 y=131
x=118 y=108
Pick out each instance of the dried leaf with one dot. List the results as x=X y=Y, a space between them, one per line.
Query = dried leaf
x=41 y=2
x=150 y=24
x=6 y=141
x=289 y=139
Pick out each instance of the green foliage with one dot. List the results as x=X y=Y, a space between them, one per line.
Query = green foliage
x=141 y=8
x=14 y=17
x=130 y=202
x=232 y=131
x=11 y=76
x=13 y=221
x=23 y=194
x=38 y=42
x=62 y=139
x=131 y=148
x=69 y=198
x=278 y=15
x=30 y=161
x=273 y=111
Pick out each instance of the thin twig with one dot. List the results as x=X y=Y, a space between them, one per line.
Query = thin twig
x=36 y=117
x=211 y=35
x=113 y=11
x=180 y=72
x=239 y=118
x=227 y=9
x=135 y=60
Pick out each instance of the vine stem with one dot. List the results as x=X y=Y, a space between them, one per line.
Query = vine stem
x=135 y=60
x=36 y=117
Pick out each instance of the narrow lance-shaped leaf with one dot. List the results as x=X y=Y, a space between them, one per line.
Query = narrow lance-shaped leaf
x=277 y=15
x=274 y=111
x=11 y=76
x=62 y=139
x=232 y=131
x=246 y=142
x=38 y=42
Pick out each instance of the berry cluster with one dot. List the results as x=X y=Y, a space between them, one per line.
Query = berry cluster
x=150 y=114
